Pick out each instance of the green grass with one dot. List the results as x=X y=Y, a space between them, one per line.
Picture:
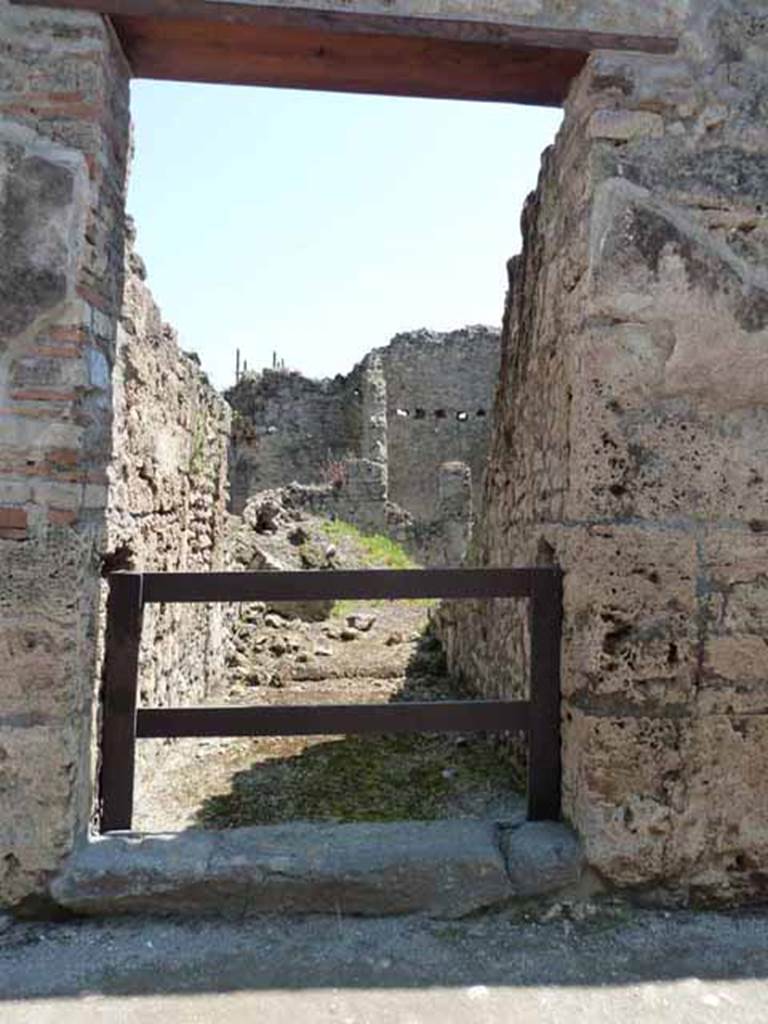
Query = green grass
x=374 y=551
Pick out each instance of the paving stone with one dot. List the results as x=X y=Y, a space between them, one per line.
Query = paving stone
x=542 y=857
x=445 y=869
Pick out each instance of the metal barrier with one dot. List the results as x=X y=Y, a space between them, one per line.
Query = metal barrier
x=123 y=723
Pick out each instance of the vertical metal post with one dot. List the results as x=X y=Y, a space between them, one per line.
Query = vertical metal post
x=544 y=758
x=121 y=672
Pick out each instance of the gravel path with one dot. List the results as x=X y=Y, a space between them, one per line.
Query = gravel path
x=633 y=966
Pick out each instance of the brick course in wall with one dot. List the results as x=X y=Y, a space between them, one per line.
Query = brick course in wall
x=63 y=146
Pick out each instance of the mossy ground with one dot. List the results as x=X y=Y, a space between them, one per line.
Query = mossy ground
x=374 y=550
x=373 y=778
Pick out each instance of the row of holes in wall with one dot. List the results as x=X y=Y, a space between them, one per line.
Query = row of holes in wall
x=439 y=414
x=421 y=414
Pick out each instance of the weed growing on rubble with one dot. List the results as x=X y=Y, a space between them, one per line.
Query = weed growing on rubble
x=372 y=551
x=376 y=550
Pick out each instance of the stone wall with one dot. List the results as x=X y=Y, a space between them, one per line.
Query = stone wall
x=168 y=493
x=624 y=16
x=288 y=428
x=631 y=447
x=439 y=393
x=63 y=146
x=410 y=407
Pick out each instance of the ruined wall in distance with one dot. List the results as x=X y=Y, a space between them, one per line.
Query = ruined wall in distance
x=289 y=428
x=413 y=405
x=439 y=392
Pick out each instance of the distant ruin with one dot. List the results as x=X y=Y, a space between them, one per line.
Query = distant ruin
x=400 y=443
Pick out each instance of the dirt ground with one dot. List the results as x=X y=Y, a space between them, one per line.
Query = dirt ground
x=374 y=652
x=227 y=783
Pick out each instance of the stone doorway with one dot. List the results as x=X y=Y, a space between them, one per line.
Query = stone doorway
x=630 y=439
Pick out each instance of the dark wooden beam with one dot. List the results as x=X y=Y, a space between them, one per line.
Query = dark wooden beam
x=335 y=720
x=355 y=584
x=251 y=44
x=244 y=54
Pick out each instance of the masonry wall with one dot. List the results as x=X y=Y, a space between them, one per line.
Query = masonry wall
x=631 y=447
x=289 y=428
x=63 y=144
x=443 y=383
x=630 y=444
x=421 y=401
x=167 y=504
x=651 y=17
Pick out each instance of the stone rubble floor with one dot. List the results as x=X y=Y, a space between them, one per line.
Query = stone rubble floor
x=227 y=783
x=579 y=965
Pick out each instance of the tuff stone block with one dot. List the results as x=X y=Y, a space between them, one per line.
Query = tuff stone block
x=629 y=447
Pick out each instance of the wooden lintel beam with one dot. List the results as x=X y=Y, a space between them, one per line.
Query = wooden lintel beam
x=464 y=30
x=247 y=43
x=236 y=54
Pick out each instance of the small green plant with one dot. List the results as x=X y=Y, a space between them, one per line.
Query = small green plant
x=375 y=551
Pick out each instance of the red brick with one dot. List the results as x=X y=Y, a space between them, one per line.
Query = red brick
x=42 y=395
x=56 y=351
x=101 y=302
x=13 y=523
x=62 y=516
x=63 y=456
x=13 y=517
x=76 y=333
x=47 y=105
x=45 y=412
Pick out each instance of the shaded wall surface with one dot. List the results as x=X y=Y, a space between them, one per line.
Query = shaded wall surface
x=631 y=447
x=167 y=499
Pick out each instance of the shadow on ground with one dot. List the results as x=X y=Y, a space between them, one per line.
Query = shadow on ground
x=380 y=778
x=613 y=947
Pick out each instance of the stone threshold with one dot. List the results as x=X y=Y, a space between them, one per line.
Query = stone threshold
x=444 y=869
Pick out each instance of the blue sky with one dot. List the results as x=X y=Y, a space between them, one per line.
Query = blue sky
x=318 y=225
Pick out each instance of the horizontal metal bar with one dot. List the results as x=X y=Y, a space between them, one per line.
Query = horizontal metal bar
x=371 y=584
x=333 y=720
